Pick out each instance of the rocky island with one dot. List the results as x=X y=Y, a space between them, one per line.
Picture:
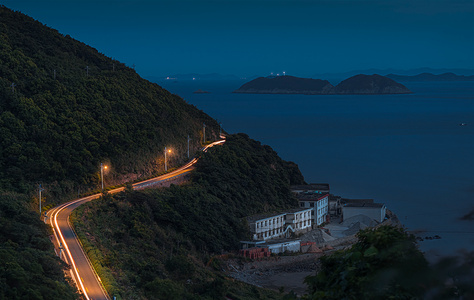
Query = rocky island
x=358 y=84
x=370 y=84
x=286 y=85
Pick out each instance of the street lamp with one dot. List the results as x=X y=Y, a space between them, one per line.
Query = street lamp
x=102 y=168
x=166 y=151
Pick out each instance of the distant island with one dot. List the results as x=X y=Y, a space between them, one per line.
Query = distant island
x=355 y=85
x=199 y=91
x=431 y=77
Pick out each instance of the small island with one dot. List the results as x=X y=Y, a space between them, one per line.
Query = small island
x=287 y=85
x=431 y=77
x=370 y=85
x=355 y=85
x=199 y=91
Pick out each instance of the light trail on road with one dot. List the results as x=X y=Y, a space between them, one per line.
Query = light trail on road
x=86 y=278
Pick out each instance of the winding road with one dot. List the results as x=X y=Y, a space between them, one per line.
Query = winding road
x=70 y=248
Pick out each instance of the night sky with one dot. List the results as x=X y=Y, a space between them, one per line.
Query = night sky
x=257 y=37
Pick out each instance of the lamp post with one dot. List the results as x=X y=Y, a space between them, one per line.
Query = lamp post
x=188 y=145
x=203 y=133
x=166 y=151
x=40 y=189
x=102 y=167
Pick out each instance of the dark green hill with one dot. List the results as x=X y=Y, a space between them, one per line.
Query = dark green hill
x=29 y=268
x=286 y=85
x=65 y=108
x=370 y=84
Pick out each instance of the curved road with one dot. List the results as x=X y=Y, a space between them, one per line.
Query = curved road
x=70 y=249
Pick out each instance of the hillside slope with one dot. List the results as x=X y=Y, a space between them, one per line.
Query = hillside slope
x=29 y=268
x=158 y=244
x=65 y=108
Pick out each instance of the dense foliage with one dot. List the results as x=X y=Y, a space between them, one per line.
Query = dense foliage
x=65 y=108
x=386 y=264
x=159 y=241
x=29 y=268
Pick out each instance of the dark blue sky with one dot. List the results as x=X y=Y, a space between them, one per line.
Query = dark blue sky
x=243 y=37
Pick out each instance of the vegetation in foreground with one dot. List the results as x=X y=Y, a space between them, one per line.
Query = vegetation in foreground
x=158 y=244
x=386 y=264
x=29 y=268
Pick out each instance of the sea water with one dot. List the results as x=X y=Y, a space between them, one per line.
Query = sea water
x=410 y=152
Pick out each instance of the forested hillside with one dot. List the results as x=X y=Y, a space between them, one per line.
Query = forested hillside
x=158 y=244
x=29 y=269
x=65 y=108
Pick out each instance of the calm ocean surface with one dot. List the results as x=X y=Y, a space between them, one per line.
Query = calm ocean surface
x=407 y=151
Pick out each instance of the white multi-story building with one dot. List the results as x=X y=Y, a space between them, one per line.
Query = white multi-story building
x=299 y=219
x=271 y=226
x=318 y=203
x=266 y=226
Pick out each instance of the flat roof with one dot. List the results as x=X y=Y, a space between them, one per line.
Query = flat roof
x=263 y=216
x=357 y=200
x=296 y=210
x=266 y=243
x=310 y=196
x=368 y=205
x=311 y=186
x=280 y=241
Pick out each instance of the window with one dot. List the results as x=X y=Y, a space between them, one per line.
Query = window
x=311 y=204
x=301 y=204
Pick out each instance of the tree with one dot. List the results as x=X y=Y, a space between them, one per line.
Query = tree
x=384 y=264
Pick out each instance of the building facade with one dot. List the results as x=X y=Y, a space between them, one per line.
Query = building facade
x=374 y=211
x=272 y=226
x=298 y=220
x=318 y=203
x=267 y=226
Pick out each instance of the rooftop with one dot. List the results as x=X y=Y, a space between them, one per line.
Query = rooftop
x=345 y=200
x=311 y=187
x=310 y=196
x=368 y=205
x=296 y=210
x=279 y=241
x=263 y=216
